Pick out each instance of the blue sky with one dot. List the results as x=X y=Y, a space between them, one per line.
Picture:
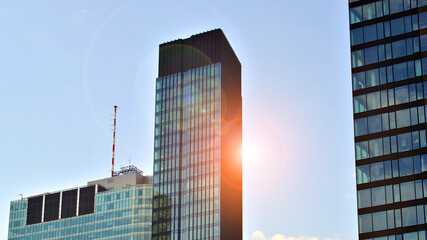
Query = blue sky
x=65 y=64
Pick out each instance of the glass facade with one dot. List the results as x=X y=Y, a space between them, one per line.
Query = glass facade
x=119 y=214
x=186 y=202
x=389 y=61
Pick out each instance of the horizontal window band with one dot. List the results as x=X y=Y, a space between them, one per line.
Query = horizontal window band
x=391 y=181
x=392 y=156
x=394 y=231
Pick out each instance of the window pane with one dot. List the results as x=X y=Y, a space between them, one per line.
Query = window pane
x=360 y=127
x=377 y=171
x=370 y=33
x=390 y=219
x=365 y=223
x=362 y=150
x=357 y=58
x=378 y=196
x=372 y=78
x=422 y=18
x=397 y=26
x=369 y=11
x=373 y=100
x=371 y=54
x=356 y=14
x=379 y=220
x=364 y=198
x=403 y=118
x=401 y=94
x=387 y=169
x=423 y=42
x=406 y=166
x=409 y=216
x=396 y=6
x=375 y=147
x=400 y=71
x=374 y=124
x=404 y=141
x=356 y=36
x=358 y=81
x=363 y=174
x=360 y=103
x=407 y=191
x=398 y=48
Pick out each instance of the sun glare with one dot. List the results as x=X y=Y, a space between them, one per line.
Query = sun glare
x=250 y=153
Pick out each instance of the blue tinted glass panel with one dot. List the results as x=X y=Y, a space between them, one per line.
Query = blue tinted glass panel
x=397 y=26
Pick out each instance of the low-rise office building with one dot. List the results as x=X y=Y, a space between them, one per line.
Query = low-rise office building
x=119 y=207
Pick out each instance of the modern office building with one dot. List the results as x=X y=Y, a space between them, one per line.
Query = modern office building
x=118 y=207
x=389 y=75
x=198 y=137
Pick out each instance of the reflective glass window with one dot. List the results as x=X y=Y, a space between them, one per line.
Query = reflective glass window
x=362 y=150
x=357 y=58
x=360 y=127
x=401 y=94
x=363 y=174
x=378 y=196
x=379 y=220
x=406 y=166
x=403 y=118
x=359 y=103
x=355 y=14
x=400 y=71
x=365 y=223
x=404 y=142
x=369 y=11
x=398 y=48
x=375 y=147
x=373 y=100
x=407 y=191
x=397 y=26
x=377 y=171
x=372 y=78
x=356 y=36
x=409 y=216
x=358 y=81
x=396 y=6
x=374 y=124
x=371 y=55
x=364 y=198
x=370 y=33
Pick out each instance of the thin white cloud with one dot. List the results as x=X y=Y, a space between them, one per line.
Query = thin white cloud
x=258 y=235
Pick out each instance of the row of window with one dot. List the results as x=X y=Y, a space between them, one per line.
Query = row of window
x=391 y=169
x=392 y=193
x=391 y=219
x=168 y=81
x=393 y=73
x=387 y=29
x=381 y=8
x=390 y=97
x=398 y=143
x=391 y=120
x=125 y=228
x=384 y=52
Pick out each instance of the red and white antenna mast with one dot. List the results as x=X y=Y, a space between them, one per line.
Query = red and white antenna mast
x=114 y=141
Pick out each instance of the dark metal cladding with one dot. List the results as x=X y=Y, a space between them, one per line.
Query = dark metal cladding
x=51 y=207
x=198 y=50
x=87 y=200
x=69 y=203
x=34 y=210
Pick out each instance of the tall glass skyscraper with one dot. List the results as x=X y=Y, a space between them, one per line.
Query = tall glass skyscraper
x=116 y=208
x=198 y=137
x=389 y=74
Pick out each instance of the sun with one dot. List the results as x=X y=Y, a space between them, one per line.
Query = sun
x=251 y=153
